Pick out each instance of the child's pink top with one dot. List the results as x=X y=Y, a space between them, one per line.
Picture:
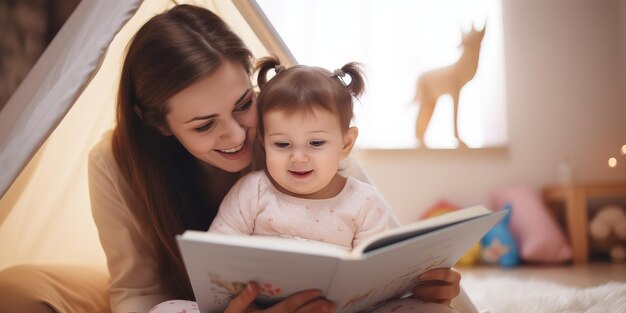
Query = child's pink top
x=255 y=207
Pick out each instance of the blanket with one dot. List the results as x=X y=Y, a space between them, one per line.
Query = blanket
x=511 y=295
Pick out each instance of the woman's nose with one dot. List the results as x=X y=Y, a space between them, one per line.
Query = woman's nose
x=234 y=131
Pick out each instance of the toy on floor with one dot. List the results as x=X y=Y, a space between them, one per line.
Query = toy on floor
x=607 y=231
x=537 y=234
x=498 y=245
x=472 y=255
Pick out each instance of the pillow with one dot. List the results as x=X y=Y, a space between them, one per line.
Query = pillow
x=538 y=236
x=54 y=288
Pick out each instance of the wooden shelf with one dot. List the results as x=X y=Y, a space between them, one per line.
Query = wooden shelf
x=575 y=198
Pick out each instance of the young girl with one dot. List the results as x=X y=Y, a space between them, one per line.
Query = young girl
x=304 y=123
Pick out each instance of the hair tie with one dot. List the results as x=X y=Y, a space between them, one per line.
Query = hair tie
x=279 y=68
x=339 y=73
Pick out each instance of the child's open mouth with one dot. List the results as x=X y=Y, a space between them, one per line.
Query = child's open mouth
x=301 y=174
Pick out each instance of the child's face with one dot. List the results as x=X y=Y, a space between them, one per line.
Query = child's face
x=303 y=150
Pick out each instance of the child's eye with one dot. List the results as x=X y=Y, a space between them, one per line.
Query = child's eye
x=205 y=126
x=244 y=107
x=317 y=143
x=281 y=145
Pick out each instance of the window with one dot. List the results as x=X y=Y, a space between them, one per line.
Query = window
x=398 y=40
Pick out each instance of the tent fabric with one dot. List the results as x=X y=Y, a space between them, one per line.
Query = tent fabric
x=56 y=80
x=45 y=215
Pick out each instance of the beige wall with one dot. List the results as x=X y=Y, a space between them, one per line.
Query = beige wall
x=566 y=97
x=622 y=10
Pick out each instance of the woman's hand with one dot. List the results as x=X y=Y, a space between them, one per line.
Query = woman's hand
x=301 y=302
x=438 y=285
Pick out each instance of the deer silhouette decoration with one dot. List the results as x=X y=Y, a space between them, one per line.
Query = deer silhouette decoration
x=447 y=80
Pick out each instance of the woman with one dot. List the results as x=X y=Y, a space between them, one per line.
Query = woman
x=186 y=127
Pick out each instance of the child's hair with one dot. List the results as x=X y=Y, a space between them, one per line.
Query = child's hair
x=303 y=87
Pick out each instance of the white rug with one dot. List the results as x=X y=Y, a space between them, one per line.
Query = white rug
x=510 y=295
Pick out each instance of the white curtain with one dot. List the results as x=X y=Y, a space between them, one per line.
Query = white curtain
x=397 y=40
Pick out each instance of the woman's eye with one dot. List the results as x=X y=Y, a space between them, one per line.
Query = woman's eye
x=244 y=107
x=317 y=143
x=281 y=145
x=204 y=127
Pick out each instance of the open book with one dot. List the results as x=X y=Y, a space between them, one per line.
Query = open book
x=383 y=267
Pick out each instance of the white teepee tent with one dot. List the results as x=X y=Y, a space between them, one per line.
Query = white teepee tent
x=62 y=108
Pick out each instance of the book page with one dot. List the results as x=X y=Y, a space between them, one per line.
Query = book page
x=391 y=271
x=420 y=227
x=220 y=266
x=270 y=243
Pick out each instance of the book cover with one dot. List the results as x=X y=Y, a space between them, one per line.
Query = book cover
x=382 y=268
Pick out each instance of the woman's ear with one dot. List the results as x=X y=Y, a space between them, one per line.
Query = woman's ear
x=349 y=138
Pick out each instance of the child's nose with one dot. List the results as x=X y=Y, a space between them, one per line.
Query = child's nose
x=299 y=156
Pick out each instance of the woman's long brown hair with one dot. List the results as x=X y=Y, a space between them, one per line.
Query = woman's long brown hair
x=172 y=51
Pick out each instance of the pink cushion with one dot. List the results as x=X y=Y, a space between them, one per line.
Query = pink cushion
x=538 y=236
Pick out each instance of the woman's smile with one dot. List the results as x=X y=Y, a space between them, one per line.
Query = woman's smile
x=232 y=150
x=235 y=152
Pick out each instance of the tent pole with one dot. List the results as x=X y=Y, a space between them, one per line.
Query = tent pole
x=269 y=37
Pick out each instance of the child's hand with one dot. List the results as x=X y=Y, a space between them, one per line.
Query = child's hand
x=301 y=302
x=438 y=285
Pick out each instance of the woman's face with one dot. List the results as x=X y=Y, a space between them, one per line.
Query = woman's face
x=215 y=119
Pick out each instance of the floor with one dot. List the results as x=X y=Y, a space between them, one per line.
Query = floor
x=580 y=276
x=596 y=287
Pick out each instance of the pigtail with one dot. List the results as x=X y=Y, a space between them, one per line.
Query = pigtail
x=264 y=65
x=357 y=77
